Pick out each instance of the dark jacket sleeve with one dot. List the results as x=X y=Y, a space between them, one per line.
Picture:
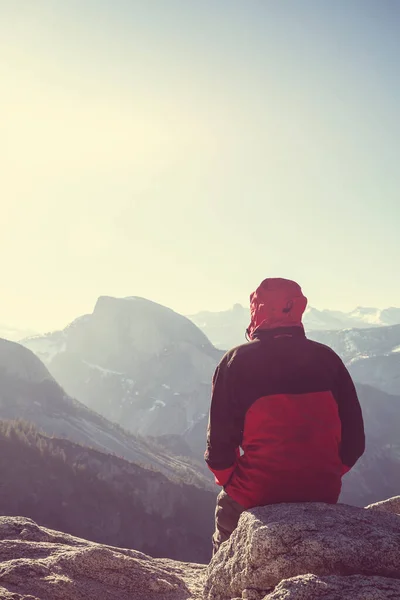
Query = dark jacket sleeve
x=225 y=427
x=353 y=436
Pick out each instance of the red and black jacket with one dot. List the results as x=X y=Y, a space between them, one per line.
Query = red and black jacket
x=290 y=404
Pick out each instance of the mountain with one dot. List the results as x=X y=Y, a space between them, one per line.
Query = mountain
x=375 y=316
x=226 y=329
x=372 y=355
x=358 y=344
x=377 y=473
x=29 y=392
x=101 y=497
x=135 y=362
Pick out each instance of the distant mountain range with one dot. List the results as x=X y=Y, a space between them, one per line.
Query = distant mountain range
x=367 y=339
x=371 y=355
x=226 y=329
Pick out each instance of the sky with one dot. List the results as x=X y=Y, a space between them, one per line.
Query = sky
x=184 y=150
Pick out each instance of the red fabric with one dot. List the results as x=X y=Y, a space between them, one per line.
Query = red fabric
x=291 y=451
x=276 y=303
x=223 y=476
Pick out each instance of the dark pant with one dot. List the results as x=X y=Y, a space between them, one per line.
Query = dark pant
x=227 y=516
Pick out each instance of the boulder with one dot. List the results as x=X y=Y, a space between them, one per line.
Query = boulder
x=41 y=564
x=281 y=552
x=277 y=542
x=335 y=587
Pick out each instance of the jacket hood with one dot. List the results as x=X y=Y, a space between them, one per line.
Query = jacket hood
x=276 y=303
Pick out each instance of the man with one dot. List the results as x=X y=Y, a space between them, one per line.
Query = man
x=285 y=422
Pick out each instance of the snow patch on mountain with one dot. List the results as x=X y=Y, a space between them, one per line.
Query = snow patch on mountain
x=157 y=404
x=103 y=371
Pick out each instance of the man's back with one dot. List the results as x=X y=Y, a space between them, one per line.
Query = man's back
x=289 y=403
x=281 y=398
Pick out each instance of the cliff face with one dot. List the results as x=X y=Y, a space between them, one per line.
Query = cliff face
x=282 y=552
x=135 y=362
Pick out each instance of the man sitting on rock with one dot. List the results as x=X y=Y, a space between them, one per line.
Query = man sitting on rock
x=285 y=422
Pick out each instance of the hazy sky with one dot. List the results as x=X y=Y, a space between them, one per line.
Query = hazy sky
x=183 y=150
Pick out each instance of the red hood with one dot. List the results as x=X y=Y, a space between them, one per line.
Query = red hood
x=276 y=303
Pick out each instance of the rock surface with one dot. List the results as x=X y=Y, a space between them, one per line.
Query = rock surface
x=392 y=505
x=41 y=564
x=355 y=587
x=278 y=542
x=282 y=552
